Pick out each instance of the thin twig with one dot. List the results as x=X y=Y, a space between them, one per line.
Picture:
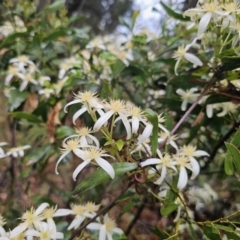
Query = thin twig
x=102 y=211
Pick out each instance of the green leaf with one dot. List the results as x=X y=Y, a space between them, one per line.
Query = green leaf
x=134 y=17
x=28 y=116
x=100 y=176
x=55 y=35
x=118 y=68
x=16 y=98
x=235 y=155
x=225 y=228
x=168 y=207
x=139 y=39
x=228 y=164
x=236 y=138
x=209 y=231
x=57 y=5
x=159 y=232
x=64 y=131
x=233 y=236
x=120 y=144
x=173 y=14
x=153 y=119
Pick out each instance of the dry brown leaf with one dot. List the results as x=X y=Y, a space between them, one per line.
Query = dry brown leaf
x=53 y=119
x=32 y=102
x=199 y=119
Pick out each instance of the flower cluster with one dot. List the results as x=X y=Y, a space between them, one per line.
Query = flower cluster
x=14 y=152
x=40 y=224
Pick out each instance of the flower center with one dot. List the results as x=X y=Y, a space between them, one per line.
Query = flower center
x=71 y=144
x=78 y=209
x=182 y=161
x=110 y=224
x=117 y=106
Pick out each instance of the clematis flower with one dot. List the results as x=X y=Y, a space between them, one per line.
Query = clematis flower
x=17 y=151
x=163 y=163
x=68 y=146
x=26 y=79
x=106 y=229
x=82 y=212
x=113 y=108
x=170 y=139
x=2 y=154
x=206 y=12
x=85 y=137
x=46 y=92
x=31 y=218
x=89 y=101
x=187 y=96
x=191 y=152
x=145 y=134
x=182 y=53
x=97 y=155
x=184 y=162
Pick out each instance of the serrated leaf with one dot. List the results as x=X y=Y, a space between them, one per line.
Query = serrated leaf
x=235 y=155
x=236 y=138
x=100 y=176
x=153 y=119
x=118 y=68
x=28 y=116
x=228 y=164
x=168 y=207
x=173 y=14
x=120 y=144
x=64 y=131
x=16 y=98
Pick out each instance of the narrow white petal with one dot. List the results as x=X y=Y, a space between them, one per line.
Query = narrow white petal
x=19 y=229
x=180 y=92
x=79 y=152
x=135 y=124
x=106 y=166
x=109 y=236
x=60 y=159
x=183 y=178
x=176 y=66
x=79 y=113
x=150 y=161
x=173 y=144
x=8 y=79
x=94 y=226
x=146 y=133
x=41 y=208
x=104 y=118
x=200 y=153
x=184 y=105
x=23 y=85
x=209 y=110
x=204 y=23
x=195 y=167
x=95 y=140
x=126 y=125
x=76 y=222
x=79 y=169
x=62 y=212
x=117 y=230
x=163 y=175
x=193 y=59
x=102 y=232
x=70 y=103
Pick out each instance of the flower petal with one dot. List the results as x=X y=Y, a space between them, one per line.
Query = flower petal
x=79 y=113
x=106 y=166
x=79 y=169
x=183 y=178
x=150 y=161
x=204 y=23
x=60 y=159
x=193 y=59
x=104 y=118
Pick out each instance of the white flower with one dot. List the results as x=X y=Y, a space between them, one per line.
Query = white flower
x=47 y=92
x=68 y=146
x=145 y=134
x=106 y=229
x=51 y=212
x=95 y=154
x=170 y=139
x=226 y=107
x=96 y=43
x=142 y=147
x=2 y=154
x=21 y=62
x=206 y=12
x=26 y=79
x=182 y=53
x=184 y=162
x=43 y=79
x=45 y=233
x=81 y=212
x=187 y=96
x=89 y=101
x=17 y=151
x=31 y=218
x=67 y=64
x=163 y=163
x=85 y=137
x=160 y=121
x=113 y=108
x=12 y=72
